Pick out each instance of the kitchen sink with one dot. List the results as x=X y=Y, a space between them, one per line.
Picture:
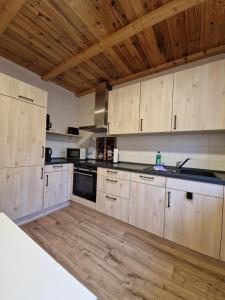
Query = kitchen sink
x=197 y=173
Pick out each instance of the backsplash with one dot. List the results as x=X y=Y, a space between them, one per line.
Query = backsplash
x=207 y=151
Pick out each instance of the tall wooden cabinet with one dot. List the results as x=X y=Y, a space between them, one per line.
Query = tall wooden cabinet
x=123 y=111
x=156 y=104
x=199 y=98
x=22 y=142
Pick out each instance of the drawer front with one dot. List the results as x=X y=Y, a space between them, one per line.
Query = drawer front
x=114 y=173
x=56 y=168
x=148 y=179
x=208 y=189
x=113 y=206
x=113 y=186
x=20 y=90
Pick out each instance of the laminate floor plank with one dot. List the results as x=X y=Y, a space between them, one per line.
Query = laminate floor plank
x=118 y=261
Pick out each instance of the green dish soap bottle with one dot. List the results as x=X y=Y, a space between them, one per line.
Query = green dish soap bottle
x=158 y=158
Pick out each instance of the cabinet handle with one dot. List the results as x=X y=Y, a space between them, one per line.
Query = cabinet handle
x=112 y=172
x=46 y=180
x=111 y=198
x=108 y=127
x=168 y=199
x=59 y=166
x=43 y=151
x=141 y=125
x=110 y=180
x=42 y=173
x=175 y=122
x=26 y=98
x=146 y=177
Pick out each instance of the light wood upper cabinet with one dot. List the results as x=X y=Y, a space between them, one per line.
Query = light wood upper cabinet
x=21 y=191
x=147 y=205
x=15 y=88
x=123 y=110
x=199 y=98
x=22 y=133
x=194 y=223
x=156 y=104
x=56 y=188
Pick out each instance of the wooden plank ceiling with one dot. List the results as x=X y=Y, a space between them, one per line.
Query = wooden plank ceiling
x=46 y=33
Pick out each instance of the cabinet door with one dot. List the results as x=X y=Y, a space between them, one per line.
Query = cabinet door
x=32 y=135
x=156 y=104
x=194 y=223
x=147 y=205
x=123 y=111
x=56 y=188
x=222 y=254
x=20 y=90
x=22 y=133
x=21 y=191
x=113 y=206
x=199 y=98
x=10 y=130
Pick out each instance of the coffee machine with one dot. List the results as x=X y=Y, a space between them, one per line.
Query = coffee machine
x=48 y=153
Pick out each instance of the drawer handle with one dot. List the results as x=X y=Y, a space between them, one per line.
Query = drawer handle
x=26 y=98
x=111 y=198
x=46 y=180
x=146 y=177
x=175 y=122
x=112 y=172
x=110 y=180
x=58 y=166
x=168 y=199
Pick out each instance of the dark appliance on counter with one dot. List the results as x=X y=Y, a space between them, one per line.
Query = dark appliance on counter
x=48 y=123
x=84 y=182
x=48 y=153
x=105 y=147
x=73 y=130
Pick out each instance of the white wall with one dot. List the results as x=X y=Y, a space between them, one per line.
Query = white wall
x=62 y=105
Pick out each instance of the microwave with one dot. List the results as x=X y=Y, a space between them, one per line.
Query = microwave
x=76 y=153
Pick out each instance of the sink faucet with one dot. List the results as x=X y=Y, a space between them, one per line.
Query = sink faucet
x=180 y=164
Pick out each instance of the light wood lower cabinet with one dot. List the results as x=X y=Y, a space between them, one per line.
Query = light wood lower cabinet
x=56 y=188
x=114 y=186
x=194 y=223
x=222 y=254
x=21 y=191
x=147 y=205
x=113 y=206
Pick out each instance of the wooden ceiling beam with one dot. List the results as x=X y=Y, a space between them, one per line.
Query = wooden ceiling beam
x=8 y=11
x=163 y=67
x=148 y=20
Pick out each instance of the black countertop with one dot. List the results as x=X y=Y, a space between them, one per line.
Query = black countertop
x=143 y=168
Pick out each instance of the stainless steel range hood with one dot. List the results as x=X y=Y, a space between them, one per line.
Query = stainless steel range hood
x=101 y=110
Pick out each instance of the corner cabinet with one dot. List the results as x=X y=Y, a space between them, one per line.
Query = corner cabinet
x=156 y=104
x=123 y=110
x=199 y=98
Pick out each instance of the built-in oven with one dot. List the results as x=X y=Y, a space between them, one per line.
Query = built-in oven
x=84 y=182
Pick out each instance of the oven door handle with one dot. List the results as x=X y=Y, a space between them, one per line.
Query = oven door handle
x=90 y=175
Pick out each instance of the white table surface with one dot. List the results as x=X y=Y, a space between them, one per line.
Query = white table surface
x=27 y=272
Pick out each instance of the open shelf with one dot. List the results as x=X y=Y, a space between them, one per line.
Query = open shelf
x=63 y=134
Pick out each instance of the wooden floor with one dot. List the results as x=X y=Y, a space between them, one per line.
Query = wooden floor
x=117 y=261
